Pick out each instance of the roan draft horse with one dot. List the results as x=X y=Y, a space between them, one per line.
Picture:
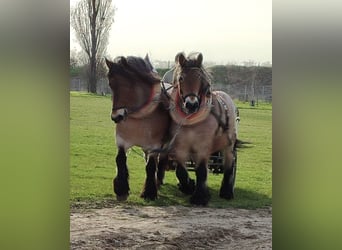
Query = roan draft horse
x=204 y=122
x=141 y=120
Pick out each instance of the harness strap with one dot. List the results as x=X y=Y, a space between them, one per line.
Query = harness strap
x=146 y=108
x=221 y=124
x=165 y=90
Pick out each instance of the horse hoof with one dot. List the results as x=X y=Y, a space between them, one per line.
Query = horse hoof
x=188 y=188
x=121 y=189
x=159 y=183
x=121 y=197
x=200 y=198
x=227 y=195
x=146 y=196
x=199 y=201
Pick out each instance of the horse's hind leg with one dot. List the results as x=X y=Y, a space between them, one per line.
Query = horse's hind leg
x=186 y=185
x=228 y=182
x=150 y=188
x=201 y=195
x=120 y=182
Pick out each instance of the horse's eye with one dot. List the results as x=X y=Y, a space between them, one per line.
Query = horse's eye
x=181 y=79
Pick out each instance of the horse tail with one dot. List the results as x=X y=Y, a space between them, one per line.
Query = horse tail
x=242 y=144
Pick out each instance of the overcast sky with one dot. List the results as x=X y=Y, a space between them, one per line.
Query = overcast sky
x=223 y=30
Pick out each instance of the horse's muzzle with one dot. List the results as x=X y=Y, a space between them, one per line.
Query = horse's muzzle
x=191 y=104
x=119 y=115
x=118 y=118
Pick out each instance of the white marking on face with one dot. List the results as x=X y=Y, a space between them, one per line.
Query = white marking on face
x=191 y=99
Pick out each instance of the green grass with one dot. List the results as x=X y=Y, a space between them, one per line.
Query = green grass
x=93 y=151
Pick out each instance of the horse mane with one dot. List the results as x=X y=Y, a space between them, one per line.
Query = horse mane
x=133 y=67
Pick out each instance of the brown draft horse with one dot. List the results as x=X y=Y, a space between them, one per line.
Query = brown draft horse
x=204 y=122
x=141 y=120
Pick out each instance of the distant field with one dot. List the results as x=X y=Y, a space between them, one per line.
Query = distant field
x=93 y=151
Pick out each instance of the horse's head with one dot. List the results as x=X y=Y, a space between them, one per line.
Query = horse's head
x=192 y=81
x=130 y=80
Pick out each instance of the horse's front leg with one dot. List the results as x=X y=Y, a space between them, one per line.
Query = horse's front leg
x=201 y=195
x=228 y=182
x=150 y=188
x=162 y=166
x=120 y=182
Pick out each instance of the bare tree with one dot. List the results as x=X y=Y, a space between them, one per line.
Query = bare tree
x=91 y=20
x=73 y=59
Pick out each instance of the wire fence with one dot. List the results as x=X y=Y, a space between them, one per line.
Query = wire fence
x=246 y=92
x=80 y=84
x=242 y=92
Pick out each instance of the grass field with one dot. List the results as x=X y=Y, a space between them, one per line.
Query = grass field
x=93 y=151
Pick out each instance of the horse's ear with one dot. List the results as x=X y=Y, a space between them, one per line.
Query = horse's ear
x=147 y=58
x=109 y=63
x=181 y=59
x=199 y=59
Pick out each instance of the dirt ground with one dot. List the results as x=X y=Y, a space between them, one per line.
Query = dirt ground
x=175 y=227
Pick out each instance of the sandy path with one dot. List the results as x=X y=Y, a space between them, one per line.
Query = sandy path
x=172 y=227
